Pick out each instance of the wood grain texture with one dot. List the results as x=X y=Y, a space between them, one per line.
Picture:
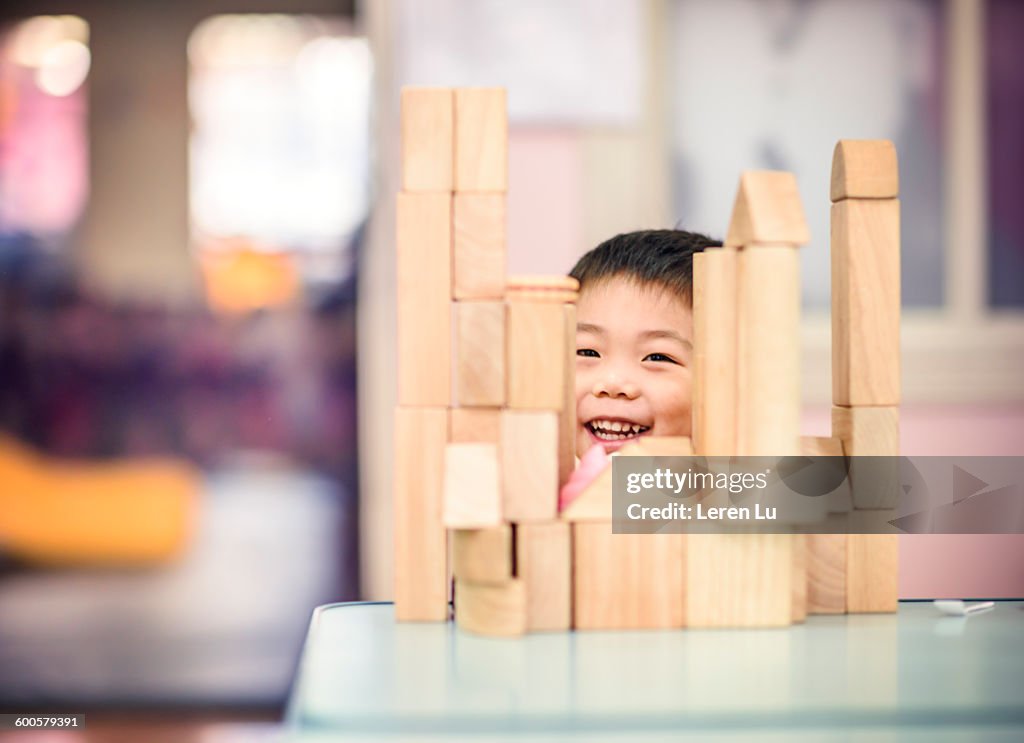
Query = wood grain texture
x=475 y=425
x=864 y=169
x=567 y=415
x=767 y=210
x=480 y=353
x=739 y=580
x=870 y=432
x=472 y=486
x=428 y=139
x=768 y=339
x=715 y=350
x=866 y=302
x=826 y=573
x=421 y=543
x=872 y=573
x=481 y=139
x=479 y=267
x=799 y=582
x=627 y=581
x=423 y=239
x=544 y=564
x=867 y=431
x=821 y=446
x=495 y=610
x=537 y=355
x=529 y=450
x=482 y=555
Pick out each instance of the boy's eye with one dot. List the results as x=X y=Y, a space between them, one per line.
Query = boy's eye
x=660 y=357
x=590 y=352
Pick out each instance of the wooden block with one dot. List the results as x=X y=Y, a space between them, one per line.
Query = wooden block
x=872 y=573
x=567 y=415
x=767 y=210
x=799 y=580
x=595 y=503
x=536 y=355
x=497 y=610
x=482 y=555
x=480 y=357
x=472 y=491
x=870 y=432
x=544 y=564
x=768 y=390
x=867 y=432
x=529 y=450
x=479 y=245
x=715 y=348
x=481 y=139
x=739 y=580
x=826 y=573
x=866 y=302
x=627 y=581
x=475 y=425
x=421 y=551
x=423 y=237
x=840 y=500
x=428 y=139
x=821 y=446
x=872 y=560
x=865 y=169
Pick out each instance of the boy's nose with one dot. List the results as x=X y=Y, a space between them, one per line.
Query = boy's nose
x=615 y=386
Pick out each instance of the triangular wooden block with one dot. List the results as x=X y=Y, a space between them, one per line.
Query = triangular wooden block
x=767 y=210
x=595 y=503
x=864 y=169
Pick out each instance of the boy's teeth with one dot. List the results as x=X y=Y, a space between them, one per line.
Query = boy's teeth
x=615 y=430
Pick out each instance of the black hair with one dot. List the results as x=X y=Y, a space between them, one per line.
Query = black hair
x=649 y=257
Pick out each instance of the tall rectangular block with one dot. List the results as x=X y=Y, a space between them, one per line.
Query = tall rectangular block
x=481 y=139
x=423 y=237
x=529 y=450
x=480 y=362
x=544 y=564
x=479 y=246
x=768 y=391
x=428 y=139
x=866 y=302
x=537 y=355
x=421 y=544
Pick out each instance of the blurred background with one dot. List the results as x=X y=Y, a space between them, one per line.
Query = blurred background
x=197 y=362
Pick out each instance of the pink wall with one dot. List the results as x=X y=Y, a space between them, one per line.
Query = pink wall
x=946 y=565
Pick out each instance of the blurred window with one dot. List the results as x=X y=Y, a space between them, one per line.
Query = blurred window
x=1004 y=62
x=773 y=86
x=44 y=181
x=279 y=151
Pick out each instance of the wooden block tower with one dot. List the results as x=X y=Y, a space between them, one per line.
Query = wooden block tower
x=485 y=426
x=486 y=415
x=746 y=326
x=866 y=347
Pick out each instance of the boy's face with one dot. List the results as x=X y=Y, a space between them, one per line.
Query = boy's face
x=634 y=346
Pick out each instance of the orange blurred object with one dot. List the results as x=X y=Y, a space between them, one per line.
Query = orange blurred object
x=240 y=278
x=126 y=513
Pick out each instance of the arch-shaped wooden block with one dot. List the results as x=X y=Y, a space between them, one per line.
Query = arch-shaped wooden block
x=864 y=169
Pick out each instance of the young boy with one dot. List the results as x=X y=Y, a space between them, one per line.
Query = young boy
x=634 y=337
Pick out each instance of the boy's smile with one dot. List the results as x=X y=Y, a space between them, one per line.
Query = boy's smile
x=634 y=349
